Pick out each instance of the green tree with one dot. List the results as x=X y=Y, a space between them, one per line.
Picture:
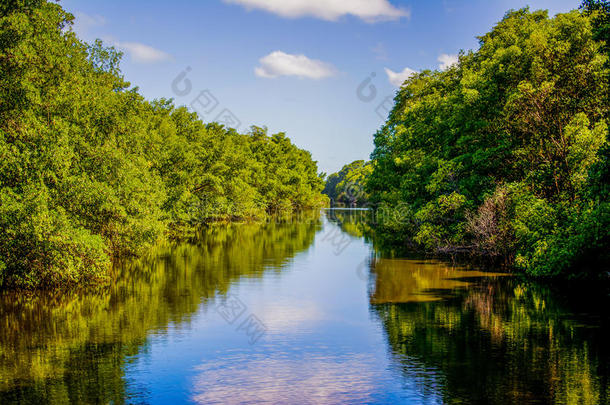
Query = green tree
x=90 y=170
x=348 y=186
x=505 y=152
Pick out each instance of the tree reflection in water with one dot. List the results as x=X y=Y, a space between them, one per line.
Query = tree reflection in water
x=500 y=340
x=74 y=347
x=454 y=335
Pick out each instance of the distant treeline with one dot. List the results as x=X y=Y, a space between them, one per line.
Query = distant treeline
x=505 y=154
x=347 y=187
x=89 y=169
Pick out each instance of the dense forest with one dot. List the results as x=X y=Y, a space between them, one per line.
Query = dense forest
x=90 y=170
x=347 y=188
x=505 y=154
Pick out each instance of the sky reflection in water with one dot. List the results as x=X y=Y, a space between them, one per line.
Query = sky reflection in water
x=400 y=331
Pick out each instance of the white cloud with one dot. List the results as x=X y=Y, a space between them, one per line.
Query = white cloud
x=143 y=53
x=289 y=316
x=331 y=10
x=250 y=377
x=398 y=78
x=279 y=63
x=446 y=61
x=84 y=22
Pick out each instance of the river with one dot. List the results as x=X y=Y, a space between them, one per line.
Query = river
x=305 y=312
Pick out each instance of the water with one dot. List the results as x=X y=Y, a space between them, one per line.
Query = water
x=304 y=312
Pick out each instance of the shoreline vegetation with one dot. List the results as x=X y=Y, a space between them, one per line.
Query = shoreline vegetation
x=91 y=171
x=504 y=155
x=346 y=188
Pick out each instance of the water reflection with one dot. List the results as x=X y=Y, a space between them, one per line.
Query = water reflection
x=74 y=348
x=459 y=335
x=500 y=340
x=301 y=379
x=355 y=222
x=453 y=335
x=399 y=280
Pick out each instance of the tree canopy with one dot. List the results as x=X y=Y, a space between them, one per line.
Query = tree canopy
x=347 y=187
x=506 y=153
x=89 y=169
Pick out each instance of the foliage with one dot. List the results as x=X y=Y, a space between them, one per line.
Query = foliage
x=90 y=170
x=600 y=10
x=348 y=186
x=506 y=153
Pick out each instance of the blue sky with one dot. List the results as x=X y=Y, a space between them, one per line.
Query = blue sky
x=292 y=65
